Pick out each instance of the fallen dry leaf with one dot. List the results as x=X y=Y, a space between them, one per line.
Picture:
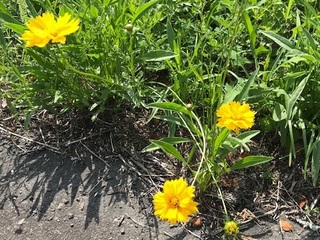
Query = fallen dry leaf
x=196 y=222
x=243 y=155
x=285 y=225
x=303 y=201
x=246 y=214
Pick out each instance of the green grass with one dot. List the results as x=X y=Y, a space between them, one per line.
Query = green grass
x=264 y=53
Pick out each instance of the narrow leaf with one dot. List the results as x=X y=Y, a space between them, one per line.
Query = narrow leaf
x=169 y=149
x=310 y=39
x=244 y=92
x=170 y=119
x=3 y=9
x=159 y=55
x=31 y=8
x=247 y=135
x=142 y=9
x=170 y=140
x=170 y=106
x=7 y=18
x=315 y=165
x=18 y=28
x=170 y=35
x=281 y=41
x=288 y=9
x=251 y=31
x=2 y=40
x=249 y=162
x=295 y=95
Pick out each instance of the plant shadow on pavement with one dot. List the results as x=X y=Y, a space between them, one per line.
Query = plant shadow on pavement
x=44 y=174
x=93 y=164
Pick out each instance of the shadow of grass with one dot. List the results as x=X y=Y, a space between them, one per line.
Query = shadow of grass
x=40 y=177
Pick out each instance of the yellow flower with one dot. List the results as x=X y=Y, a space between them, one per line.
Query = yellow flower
x=175 y=203
x=231 y=228
x=235 y=116
x=43 y=29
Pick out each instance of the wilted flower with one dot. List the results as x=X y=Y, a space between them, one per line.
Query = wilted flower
x=175 y=203
x=235 y=116
x=231 y=228
x=43 y=29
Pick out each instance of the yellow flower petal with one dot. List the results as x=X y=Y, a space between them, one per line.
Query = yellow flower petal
x=235 y=116
x=43 y=29
x=175 y=203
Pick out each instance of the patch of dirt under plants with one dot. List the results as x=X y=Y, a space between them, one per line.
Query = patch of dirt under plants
x=66 y=177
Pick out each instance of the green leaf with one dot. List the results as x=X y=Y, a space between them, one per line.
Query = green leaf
x=246 y=136
x=281 y=41
x=244 y=92
x=169 y=149
x=3 y=9
x=279 y=113
x=170 y=140
x=170 y=106
x=18 y=28
x=142 y=9
x=170 y=34
x=159 y=55
x=251 y=30
x=311 y=41
x=7 y=18
x=249 y=162
x=288 y=9
x=170 y=119
x=2 y=40
x=315 y=164
x=31 y=8
x=295 y=95
x=220 y=139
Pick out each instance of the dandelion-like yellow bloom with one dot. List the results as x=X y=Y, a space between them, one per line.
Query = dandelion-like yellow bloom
x=175 y=203
x=235 y=116
x=43 y=29
x=231 y=228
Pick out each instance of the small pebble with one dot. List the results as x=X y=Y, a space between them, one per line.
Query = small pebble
x=81 y=206
x=21 y=221
x=70 y=216
x=122 y=231
x=71 y=225
x=60 y=206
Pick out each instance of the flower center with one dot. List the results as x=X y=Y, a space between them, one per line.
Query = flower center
x=174 y=202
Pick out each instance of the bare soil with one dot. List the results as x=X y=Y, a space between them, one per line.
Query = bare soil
x=67 y=177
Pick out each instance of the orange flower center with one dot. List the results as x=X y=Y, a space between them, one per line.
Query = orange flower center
x=174 y=202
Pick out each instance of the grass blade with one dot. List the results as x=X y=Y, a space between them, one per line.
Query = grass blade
x=315 y=165
x=170 y=106
x=142 y=9
x=159 y=55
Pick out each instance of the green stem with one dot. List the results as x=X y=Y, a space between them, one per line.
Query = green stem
x=221 y=196
x=132 y=68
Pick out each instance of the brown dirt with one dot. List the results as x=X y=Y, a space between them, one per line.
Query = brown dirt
x=69 y=178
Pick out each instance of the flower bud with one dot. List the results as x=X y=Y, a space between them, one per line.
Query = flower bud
x=129 y=27
x=189 y=106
